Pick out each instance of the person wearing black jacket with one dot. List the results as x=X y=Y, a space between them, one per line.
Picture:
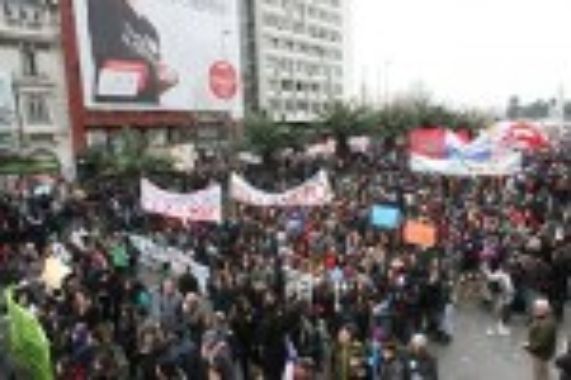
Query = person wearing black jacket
x=420 y=364
x=272 y=338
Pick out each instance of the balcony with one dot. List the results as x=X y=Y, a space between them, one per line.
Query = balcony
x=35 y=26
x=41 y=80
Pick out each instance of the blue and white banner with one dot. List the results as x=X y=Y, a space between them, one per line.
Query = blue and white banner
x=505 y=165
x=480 y=157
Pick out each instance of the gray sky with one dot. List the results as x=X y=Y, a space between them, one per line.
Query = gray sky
x=465 y=52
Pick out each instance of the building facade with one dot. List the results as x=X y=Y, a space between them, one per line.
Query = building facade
x=33 y=93
x=203 y=98
x=295 y=55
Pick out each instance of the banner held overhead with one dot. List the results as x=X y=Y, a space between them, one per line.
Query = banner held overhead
x=201 y=206
x=314 y=192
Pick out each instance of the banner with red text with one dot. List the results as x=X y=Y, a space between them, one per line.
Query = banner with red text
x=200 y=206
x=314 y=192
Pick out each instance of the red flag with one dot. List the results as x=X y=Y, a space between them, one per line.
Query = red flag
x=429 y=142
x=525 y=136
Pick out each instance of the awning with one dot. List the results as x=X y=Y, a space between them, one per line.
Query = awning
x=40 y=163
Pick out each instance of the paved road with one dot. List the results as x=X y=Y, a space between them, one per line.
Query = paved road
x=475 y=356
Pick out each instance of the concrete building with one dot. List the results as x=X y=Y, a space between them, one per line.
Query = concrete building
x=33 y=93
x=295 y=56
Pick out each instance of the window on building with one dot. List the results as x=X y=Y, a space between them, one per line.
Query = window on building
x=41 y=138
x=276 y=105
x=96 y=138
x=34 y=17
x=37 y=107
x=287 y=85
x=29 y=61
x=303 y=105
x=10 y=11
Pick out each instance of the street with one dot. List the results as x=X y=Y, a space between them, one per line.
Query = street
x=475 y=356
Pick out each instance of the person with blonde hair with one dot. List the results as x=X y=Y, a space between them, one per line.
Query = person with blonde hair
x=420 y=364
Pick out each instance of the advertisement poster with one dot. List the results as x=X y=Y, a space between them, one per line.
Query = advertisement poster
x=160 y=55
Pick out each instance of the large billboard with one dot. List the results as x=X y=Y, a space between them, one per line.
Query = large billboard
x=161 y=55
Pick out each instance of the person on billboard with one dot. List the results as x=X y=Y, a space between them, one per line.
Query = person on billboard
x=126 y=54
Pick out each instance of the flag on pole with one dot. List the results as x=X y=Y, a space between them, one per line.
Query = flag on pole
x=29 y=346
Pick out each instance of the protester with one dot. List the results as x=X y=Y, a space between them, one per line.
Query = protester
x=420 y=363
x=542 y=339
x=319 y=291
x=502 y=292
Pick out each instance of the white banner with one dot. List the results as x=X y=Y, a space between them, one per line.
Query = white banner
x=324 y=149
x=502 y=165
x=201 y=206
x=154 y=256
x=314 y=192
x=359 y=144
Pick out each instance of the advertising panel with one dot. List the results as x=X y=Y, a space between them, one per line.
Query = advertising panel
x=159 y=55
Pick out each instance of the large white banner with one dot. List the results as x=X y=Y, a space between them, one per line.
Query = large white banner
x=201 y=206
x=154 y=256
x=503 y=165
x=167 y=55
x=314 y=192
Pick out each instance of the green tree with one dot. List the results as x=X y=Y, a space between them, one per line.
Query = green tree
x=342 y=121
x=129 y=157
x=409 y=113
x=267 y=138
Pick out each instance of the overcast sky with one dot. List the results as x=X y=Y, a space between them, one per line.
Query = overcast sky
x=465 y=52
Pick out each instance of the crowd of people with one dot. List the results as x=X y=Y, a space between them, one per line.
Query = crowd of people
x=314 y=293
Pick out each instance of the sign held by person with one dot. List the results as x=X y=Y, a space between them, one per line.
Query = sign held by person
x=420 y=233
x=384 y=216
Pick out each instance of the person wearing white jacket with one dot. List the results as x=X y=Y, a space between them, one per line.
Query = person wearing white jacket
x=503 y=291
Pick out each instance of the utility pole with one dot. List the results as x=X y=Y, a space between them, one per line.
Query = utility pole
x=561 y=102
x=364 y=87
x=387 y=67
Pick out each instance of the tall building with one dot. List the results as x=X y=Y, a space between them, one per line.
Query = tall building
x=295 y=56
x=33 y=108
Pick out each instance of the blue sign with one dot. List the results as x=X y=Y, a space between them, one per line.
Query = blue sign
x=385 y=216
